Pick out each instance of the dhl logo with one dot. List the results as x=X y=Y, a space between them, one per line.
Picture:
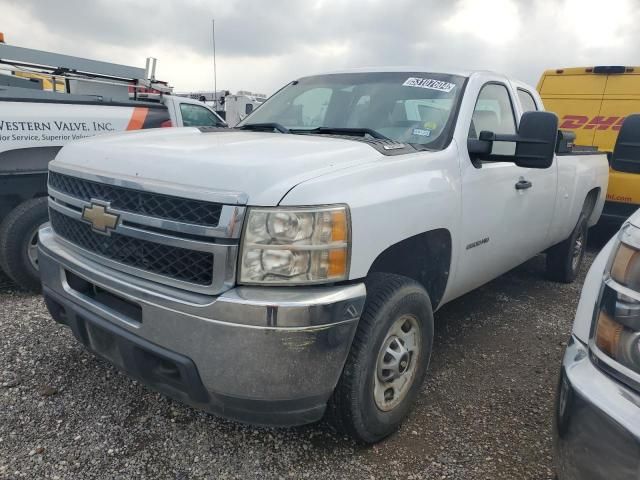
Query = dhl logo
x=574 y=122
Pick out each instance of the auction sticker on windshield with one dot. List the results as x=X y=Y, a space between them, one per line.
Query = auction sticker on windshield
x=429 y=83
x=422 y=132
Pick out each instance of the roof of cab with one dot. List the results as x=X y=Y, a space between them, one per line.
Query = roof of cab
x=408 y=69
x=415 y=69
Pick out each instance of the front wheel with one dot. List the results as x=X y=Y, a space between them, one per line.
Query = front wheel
x=387 y=362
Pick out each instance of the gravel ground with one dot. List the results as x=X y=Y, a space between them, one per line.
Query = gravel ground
x=485 y=412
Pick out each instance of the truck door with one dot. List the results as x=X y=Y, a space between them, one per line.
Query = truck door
x=506 y=209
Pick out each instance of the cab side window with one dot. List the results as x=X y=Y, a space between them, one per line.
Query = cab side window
x=197 y=116
x=527 y=101
x=494 y=113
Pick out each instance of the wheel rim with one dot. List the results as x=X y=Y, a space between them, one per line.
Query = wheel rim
x=578 y=247
x=32 y=246
x=397 y=362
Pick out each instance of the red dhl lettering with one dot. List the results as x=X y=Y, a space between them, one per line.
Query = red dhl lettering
x=574 y=122
x=618 y=198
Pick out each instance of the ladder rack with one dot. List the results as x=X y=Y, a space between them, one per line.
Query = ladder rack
x=57 y=67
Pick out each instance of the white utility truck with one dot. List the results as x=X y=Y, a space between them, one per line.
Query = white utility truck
x=96 y=98
x=237 y=107
x=290 y=267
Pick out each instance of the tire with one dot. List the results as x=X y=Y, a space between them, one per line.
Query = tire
x=564 y=259
x=354 y=408
x=18 y=232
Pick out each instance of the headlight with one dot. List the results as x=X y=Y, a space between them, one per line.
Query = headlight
x=295 y=245
x=617 y=328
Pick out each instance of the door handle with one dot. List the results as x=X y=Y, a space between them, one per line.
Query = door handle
x=523 y=184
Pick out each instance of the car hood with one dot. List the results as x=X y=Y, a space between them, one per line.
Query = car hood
x=256 y=168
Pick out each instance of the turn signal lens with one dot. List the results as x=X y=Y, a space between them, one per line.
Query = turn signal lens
x=339 y=226
x=608 y=334
x=626 y=264
x=337 y=263
x=617 y=332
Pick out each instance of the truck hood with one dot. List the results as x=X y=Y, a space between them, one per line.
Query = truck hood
x=256 y=168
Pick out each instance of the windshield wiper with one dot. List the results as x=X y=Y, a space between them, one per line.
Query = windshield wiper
x=357 y=132
x=265 y=127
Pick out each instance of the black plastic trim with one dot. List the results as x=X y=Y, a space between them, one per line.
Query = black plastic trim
x=609 y=69
x=617 y=212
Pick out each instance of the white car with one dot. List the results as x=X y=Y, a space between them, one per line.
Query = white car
x=597 y=421
x=292 y=265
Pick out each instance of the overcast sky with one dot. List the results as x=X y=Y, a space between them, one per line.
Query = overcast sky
x=262 y=44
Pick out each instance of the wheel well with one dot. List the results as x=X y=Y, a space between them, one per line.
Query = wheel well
x=426 y=258
x=590 y=203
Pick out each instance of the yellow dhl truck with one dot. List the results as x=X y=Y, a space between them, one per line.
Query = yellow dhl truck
x=592 y=102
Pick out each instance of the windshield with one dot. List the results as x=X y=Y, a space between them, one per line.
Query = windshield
x=407 y=107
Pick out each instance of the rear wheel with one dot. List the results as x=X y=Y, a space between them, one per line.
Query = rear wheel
x=19 y=242
x=565 y=258
x=387 y=362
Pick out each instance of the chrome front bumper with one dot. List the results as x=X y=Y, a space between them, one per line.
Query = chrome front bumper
x=261 y=355
x=597 y=422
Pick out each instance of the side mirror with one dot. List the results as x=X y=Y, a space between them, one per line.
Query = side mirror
x=478 y=147
x=626 y=153
x=535 y=141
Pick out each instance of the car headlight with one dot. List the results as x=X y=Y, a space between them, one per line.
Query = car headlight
x=295 y=245
x=617 y=320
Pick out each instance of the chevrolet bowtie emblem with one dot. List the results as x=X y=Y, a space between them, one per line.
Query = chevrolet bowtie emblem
x=100 y=219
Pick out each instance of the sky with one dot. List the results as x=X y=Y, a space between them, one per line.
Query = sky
x=261 y=45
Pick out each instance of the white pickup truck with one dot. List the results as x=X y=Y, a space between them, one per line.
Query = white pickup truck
x=290 y=267
x=34 y=125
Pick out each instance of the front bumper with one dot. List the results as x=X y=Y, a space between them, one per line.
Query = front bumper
x=597 y=422
x=268 y=356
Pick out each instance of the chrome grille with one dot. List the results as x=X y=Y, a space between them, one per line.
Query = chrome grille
x=175 y=262
x=184 y=251
x=143 y=203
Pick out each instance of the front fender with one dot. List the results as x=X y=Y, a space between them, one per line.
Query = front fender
x=391 y=199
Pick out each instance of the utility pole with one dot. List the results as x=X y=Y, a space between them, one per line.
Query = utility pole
x=215 y=81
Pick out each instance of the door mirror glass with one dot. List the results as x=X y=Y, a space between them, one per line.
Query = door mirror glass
x=536 y=142
x=626 y=153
